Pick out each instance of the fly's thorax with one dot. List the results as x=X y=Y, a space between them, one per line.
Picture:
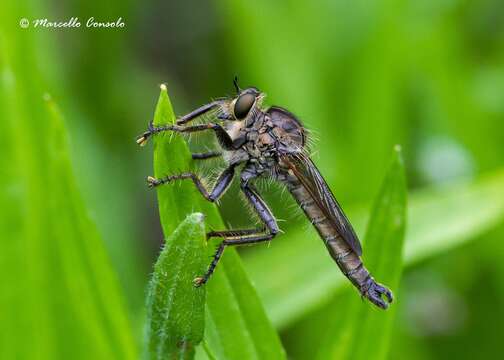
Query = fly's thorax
x=286 y=129
x=235 y=130
x=258 y=142
x=249 y=140
x=242 y=131
x=262 y=137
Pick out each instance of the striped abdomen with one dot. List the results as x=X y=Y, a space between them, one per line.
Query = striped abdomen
x=348 y=261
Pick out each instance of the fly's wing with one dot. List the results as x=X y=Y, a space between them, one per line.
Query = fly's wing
x=309 y=176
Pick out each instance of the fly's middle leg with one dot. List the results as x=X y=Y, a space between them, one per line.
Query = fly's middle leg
x=243 y=236
x=219 y=189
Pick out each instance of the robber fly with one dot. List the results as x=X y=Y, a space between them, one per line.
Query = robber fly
x=258 y=142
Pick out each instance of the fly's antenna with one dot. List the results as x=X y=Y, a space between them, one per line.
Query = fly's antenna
x=235 y=83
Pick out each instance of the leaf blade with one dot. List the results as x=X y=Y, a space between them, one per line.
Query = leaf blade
x=175 y=308
x=171 y=156
x=365 y=331
x=62 y=293
x=98 y=290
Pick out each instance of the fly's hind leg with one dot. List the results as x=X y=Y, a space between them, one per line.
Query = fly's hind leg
x=244 y=236
x=219 y=189
x=220 y=249
x=234 y=233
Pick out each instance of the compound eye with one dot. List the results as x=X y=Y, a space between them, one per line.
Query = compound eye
x=243 y=105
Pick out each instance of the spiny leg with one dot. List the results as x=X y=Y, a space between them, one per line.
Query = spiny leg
x=198 y=112
x=246 y=236
x=260 y=207
x=222 y=135
x=234 y=233
x=219 y=189
x=142 y=139
x=220 y=249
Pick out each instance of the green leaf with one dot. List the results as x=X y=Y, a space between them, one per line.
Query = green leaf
x=60 y=296
x=365 y=330
x=171 y=156
x=175 y=308
x=236 y=326
x=439 y=219
x=92 y=290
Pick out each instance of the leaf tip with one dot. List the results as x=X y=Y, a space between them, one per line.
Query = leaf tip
x=200 y=216
x=197 y=217
x=46 y=97
x=398 y=158
x=164 y=110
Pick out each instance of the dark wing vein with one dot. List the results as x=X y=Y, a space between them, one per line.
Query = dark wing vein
x=308 y=174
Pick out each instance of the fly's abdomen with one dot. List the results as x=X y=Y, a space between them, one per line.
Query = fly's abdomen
x=348 y=261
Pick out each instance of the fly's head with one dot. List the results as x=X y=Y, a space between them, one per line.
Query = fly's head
x=243 y=106
x=241 y=111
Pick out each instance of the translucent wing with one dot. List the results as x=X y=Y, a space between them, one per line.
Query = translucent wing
x=309 y=176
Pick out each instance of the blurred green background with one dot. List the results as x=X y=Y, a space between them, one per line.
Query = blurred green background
x=362 y=76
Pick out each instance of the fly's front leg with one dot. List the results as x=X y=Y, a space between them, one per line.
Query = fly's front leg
x=199 y=111
x=219 y=189
x=142 y=139
x=243 y=237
